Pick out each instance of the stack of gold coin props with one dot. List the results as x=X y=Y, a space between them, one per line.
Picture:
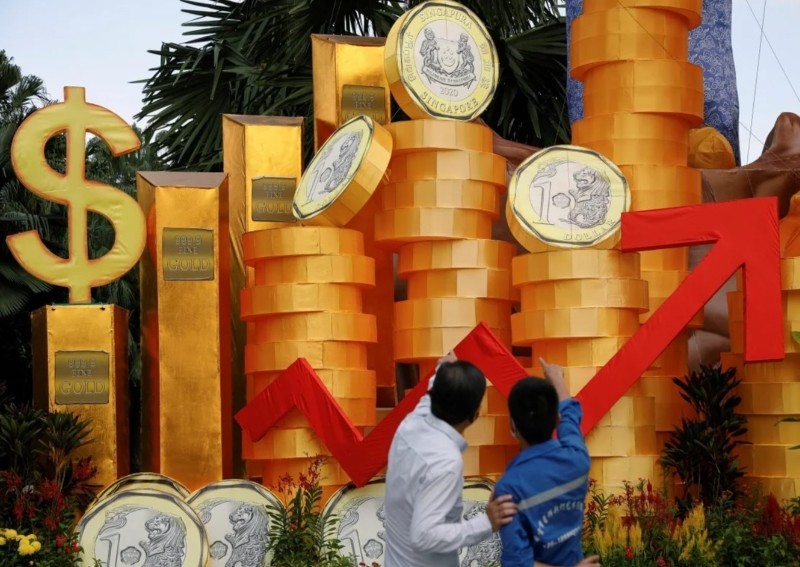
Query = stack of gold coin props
x=307 y=299
x=580 y=297
x=770 y=391
x=145 y=518
x=442 y=197
x=641 y=98
x=140 y=518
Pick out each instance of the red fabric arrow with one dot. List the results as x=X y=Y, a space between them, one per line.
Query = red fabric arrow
x=746 y=235
x=362 y=457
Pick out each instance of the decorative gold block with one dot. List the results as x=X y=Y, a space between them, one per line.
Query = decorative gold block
x=573 y=264
x=349 y=80
x=447 y=254
x=625 y=293
x=477 y=283
x=786 y=371
x=770 y=398
x=530 y=326
x=263 y=157
x=186 y=328
x=80 y=365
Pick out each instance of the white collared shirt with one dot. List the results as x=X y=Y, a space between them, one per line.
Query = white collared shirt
x=424 y=494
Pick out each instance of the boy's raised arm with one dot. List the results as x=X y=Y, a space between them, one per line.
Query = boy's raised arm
x=569 y=426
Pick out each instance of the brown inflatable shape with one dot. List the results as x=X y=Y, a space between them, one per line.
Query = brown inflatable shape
x=775 y=173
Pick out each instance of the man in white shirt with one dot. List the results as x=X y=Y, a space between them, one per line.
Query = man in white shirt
x=425 y=477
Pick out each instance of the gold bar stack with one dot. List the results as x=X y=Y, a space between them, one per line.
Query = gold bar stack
x=80 y=365
x=186 y=331
x=770 y=391
x=349 y=81
x=641 y=98
x=263 y=157
x=307 y=302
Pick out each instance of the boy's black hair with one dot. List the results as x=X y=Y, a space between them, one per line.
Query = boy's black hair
x=457 y=392
x=533 y=405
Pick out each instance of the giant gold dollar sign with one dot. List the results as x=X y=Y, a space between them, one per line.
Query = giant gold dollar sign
x=78 y=272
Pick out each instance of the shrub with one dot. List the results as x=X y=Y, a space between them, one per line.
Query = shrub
x=700 y=451
x=299 y=534
x=43 y=487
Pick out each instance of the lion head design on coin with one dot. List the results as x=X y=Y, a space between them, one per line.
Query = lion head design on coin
x=592 y=194
x=166 y=541
x=250 y=535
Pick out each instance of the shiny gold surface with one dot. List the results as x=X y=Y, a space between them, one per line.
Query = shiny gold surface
x=272 y=199
x=80 y=365
x=186 y=334
x=348 y=81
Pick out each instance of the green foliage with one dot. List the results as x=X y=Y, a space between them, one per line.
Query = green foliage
x=254 y=57
x=701 y=450
x=299 y=533
x=44 y=487
x=756 y=532
x=642 y=528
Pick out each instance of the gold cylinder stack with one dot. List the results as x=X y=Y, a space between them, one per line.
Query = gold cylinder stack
x=307 y=302
x=577 y=309
x=437 y=212
x=770 y=391
x=641 y=98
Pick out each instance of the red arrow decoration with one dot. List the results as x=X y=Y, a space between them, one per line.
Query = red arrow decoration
x=746 y=235
x=362 y=457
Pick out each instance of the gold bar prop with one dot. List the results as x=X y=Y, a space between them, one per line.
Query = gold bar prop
x=349 y=81
x=185 y=290
x=80 y=365
x=263 y=157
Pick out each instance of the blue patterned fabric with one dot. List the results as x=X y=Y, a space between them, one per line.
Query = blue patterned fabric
x=710 y=47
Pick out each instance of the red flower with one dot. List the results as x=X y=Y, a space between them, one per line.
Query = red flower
x=61 y=540
x=628 y=552
x=660 y=562
x=49 y=489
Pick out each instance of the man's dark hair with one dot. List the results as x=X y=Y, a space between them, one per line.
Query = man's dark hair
x=457 y=392
x=533 y=405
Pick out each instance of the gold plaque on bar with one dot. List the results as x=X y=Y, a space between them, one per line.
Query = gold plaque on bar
x=187 y=254
x=272 y=199
x=363 y=99
x=441 y=62
x=80 y=365
x=187 y=426
x=82 y=377
x=349 y=81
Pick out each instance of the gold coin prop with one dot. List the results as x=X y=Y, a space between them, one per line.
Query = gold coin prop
x=143 y=527
x=362 y=515
x=146 y=481
x=441 y=62
x=566 y=197
x=235 y=514
x=344 y=174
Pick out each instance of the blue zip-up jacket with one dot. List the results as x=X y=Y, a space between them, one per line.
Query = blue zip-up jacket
x=549 y=483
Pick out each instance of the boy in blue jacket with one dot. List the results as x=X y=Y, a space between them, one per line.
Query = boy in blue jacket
x=549 y=478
